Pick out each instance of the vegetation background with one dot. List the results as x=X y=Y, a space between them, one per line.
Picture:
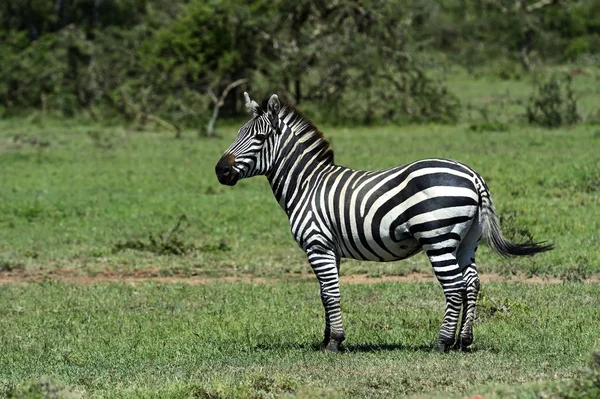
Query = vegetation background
x=345 y=61
x=126 y=270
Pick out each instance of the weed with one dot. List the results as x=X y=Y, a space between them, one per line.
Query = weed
x=576 y=274
x=8 y=266
x=489 y=307
x=103 y=140
x=512 y=229
x=170 y=243
x=553 y=103
x=212 y=190
x=99 y=140
x=29 y=211
x=96 y=253
x=376 y=273
x=222 y=246
x=32 y=254
x=21 y=140
x=489 y=126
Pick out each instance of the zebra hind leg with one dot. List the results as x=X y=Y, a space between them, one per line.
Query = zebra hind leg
x=446 y=269
x=466 y=260
x=469 y=305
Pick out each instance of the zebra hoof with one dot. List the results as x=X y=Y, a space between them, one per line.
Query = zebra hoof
x=442 y=346
x=439 y=347
x=464 y=342
x=332 y=346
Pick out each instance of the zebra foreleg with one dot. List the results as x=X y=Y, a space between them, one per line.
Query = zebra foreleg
x=469 y=305
x=325 y=266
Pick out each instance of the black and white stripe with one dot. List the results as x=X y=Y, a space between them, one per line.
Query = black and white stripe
x=439 y=206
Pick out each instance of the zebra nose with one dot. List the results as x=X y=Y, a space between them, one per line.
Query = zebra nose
x=225 y=172
x=223 y=168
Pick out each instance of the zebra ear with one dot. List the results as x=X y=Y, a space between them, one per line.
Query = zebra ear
x=273 y=110
x=251 y=106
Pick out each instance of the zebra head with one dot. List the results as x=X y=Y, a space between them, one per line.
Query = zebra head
x=253 y=150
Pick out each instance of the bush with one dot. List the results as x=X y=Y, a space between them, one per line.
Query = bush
x=577 y=47
x=553 y=103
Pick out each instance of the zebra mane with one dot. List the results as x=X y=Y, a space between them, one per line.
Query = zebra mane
x=302 y=127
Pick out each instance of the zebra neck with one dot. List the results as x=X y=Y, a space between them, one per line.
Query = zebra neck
x=301 y=159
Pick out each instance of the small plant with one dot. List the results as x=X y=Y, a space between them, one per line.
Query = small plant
x=23 y=140
x=489 y=126
x=171 y=243
x=553 y=103
x=222 y=246
x=99 y=140
x=575 y=275
x=508 y=221
x=8 y=266
x=162 y=244
x=491 y=307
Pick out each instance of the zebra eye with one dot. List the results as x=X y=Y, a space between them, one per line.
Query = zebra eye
x=261 y=136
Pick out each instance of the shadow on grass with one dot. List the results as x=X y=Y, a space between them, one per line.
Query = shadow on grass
x=388 y=347
x=371 y=348
x=413 y=348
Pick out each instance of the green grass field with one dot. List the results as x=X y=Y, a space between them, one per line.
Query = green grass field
x=79 y=198
x=259 y=340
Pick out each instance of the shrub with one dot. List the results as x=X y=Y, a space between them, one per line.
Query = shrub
x=553 y=103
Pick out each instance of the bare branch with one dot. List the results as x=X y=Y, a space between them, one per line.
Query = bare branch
x=230 y=87
x=540 y=4
x=210 y=131
x=212 y=96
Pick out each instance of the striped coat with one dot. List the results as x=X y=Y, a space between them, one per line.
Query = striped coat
x=439 y=206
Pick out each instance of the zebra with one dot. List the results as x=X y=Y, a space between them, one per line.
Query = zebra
x=439 y=206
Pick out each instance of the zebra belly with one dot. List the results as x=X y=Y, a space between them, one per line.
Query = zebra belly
x=380 y=249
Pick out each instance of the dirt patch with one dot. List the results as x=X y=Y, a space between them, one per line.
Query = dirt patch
x=71 y=276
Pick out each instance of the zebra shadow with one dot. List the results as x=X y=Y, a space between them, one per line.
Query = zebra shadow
x=374 y=347
x=370 y=348
x=366 y=348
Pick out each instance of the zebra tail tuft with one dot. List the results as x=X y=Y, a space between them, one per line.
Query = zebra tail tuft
x=493 y=236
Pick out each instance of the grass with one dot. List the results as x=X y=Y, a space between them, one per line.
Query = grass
x=68 y=198
x=78 y=197
x=224 y=340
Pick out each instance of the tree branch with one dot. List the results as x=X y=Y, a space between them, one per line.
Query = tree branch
x=210 y=130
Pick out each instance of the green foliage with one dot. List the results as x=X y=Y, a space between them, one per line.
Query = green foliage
x=577 y=47
x=553 y=103
x=354 y=62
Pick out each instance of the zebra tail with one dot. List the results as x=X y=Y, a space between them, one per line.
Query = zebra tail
x=494 y=238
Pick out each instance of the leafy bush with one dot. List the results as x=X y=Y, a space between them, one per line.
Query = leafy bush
x=553 y=103
x=577 y=47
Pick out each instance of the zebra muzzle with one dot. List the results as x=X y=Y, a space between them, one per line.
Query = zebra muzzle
x=225 y=172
